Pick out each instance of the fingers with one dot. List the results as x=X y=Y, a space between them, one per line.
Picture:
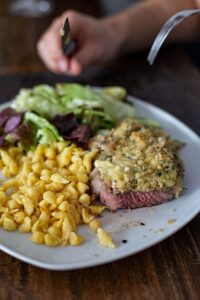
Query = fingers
x=75 y=67
x=49 y=45
x=54 y=63
x=82 y=59
x=49 y=49
x=93 y=44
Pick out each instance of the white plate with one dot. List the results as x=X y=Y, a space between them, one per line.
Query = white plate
x=123 y=225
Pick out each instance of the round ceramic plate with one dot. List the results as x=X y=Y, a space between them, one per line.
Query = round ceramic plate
x=140 y=228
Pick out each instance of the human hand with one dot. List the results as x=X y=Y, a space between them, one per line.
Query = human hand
x=97 y=43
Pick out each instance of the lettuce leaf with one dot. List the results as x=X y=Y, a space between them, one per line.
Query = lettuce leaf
x=117 y=92
x=45 y=136
x=45 y=132
x=76 y=95
x=42 y=99
x=100 y=107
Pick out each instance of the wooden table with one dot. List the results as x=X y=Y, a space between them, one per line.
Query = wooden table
x=169 y=270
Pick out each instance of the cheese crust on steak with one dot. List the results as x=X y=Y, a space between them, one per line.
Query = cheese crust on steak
x=139 y=160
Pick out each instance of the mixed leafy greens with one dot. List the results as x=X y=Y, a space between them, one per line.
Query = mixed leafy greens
x=82 y=100
x=67 y=111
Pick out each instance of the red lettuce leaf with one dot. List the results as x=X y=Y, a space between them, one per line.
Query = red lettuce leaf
x=80 y=135
x=70 y=129
x=21 y=133
x=1 y=140
x=65 y=123
x=82 y=132
x=5 y=115
x=13 y=122
x=10 y=120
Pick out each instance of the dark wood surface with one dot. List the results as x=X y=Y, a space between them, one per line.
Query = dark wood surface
x=169 y=270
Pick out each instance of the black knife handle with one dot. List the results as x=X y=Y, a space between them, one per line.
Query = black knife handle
x=70 y=48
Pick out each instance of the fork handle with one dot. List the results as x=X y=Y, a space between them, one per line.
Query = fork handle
x=166 y=29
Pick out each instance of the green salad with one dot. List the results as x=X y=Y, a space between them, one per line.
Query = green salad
x=83 y=101
x=68 y=111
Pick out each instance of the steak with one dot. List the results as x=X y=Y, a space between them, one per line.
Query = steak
x=131 y=199
x=136 y=166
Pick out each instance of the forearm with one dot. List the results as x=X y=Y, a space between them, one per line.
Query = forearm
x=138 y=26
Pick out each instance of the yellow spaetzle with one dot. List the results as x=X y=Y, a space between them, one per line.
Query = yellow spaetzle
x=48 y=194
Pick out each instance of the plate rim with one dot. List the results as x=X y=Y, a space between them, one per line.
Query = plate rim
x=127 y=253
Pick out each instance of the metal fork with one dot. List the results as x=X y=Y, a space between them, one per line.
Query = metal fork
x=166 y=29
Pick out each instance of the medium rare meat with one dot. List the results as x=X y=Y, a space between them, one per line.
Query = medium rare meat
x=137 y=166
x=131 y=199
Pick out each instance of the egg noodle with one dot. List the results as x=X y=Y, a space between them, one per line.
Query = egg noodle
x=47 y=194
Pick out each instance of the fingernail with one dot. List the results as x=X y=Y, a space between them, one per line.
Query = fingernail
x=62 y=65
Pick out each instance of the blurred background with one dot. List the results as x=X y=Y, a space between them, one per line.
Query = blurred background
x=19 y=34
